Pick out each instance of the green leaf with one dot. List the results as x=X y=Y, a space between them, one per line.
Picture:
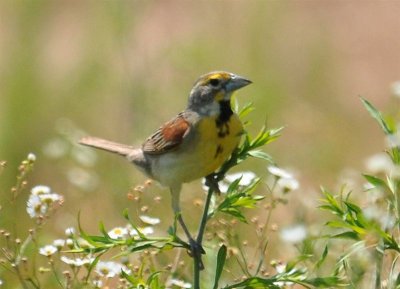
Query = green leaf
x=261 y=155
x=323 y=257
x=93 y=265
x=153 y=278
x=248 y=190
x=82 y=233
x=352 y=207
x=129 y=278
x=139 y=246
x=234 y=186
x=325 y=282
x=377 y=115
x=235 y=213
x=331 y=204
x=255 y=282
x=98 y=239
x=125 y=213
x=221 y=257
x=245 y=110
x=347 y=235
x=375 y=181
x=103 y=230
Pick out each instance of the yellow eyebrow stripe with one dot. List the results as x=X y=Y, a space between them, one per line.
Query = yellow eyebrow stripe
x=219 y=75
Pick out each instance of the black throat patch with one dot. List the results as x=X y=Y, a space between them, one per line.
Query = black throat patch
x=225 y=114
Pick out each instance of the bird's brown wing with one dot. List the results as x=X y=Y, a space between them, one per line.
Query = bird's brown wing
x=168 y=137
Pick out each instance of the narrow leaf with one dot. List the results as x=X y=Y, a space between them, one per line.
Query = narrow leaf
x=377 y=115
x=323 y=257
x=347 y=235
x=375 y=181
x=324 y=282
x=261 y=155
x=221 y=257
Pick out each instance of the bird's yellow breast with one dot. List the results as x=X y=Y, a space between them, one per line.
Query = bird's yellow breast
x=210 y=144
x=216 y=142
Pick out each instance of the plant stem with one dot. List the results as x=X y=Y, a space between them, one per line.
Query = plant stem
x=204 y=218
x=379 y=263
x=22 y=249
x=199 y=239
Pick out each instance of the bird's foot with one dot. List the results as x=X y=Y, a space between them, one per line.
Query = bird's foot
x=196 y=250
x=212 y=182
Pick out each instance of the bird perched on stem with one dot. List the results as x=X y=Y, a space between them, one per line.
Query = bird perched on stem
x=193 y=144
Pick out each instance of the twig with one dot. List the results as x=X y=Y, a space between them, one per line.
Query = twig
x=212 y=182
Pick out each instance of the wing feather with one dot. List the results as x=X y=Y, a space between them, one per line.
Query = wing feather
x=168 y=137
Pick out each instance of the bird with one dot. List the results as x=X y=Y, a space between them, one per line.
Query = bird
x=190 y=146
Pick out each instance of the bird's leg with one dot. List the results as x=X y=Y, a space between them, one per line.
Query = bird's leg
x=196 y=250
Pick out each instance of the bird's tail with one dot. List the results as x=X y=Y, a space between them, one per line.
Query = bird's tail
x=121 y=149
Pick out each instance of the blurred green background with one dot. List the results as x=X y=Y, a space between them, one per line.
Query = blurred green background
x=119 y=69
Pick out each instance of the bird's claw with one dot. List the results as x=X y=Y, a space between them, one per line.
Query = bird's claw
x=196 y=250
x=212 y=182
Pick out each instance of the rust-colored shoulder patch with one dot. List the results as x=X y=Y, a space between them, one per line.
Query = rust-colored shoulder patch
x=168 y=137
x=174 y=130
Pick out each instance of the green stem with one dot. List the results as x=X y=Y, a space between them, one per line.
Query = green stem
x=379 y=263
x=23 y=248
x=20 y=278
x=204 y=218
x=197 y=257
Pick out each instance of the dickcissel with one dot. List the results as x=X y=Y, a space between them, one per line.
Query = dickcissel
x=193 y=144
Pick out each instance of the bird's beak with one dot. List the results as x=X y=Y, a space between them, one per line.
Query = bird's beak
x=237 y=82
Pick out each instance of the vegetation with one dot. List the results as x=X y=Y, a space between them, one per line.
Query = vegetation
x=359 y=243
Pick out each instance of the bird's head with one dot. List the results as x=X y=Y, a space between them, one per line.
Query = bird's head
x=212 y=89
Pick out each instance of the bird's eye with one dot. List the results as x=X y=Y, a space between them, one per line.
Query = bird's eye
x=214 y=82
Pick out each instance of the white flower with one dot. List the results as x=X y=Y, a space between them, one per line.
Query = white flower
x=393 y=140
x=179 y=283
x=97 y=283
x=31 y=157
x=110 y=269
x=279 y=173
x=47 y=250
x=40 y=199
x=67 y=260
x=118 y=232
x=377 y=214
x=145 y=231
x=246 y=178
x=294 y=234
x=281 y=268
x=85 y=261
x=78 y=262
x=396 y=88
x=1 y=282
x=288 y=184
x=35 y=208
x=40 y=190
x=70 y=231
x=149 y=220
x=70 y=243
x=59 y=243
x=379 y=163
x=50 y=198
x=84 y=243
